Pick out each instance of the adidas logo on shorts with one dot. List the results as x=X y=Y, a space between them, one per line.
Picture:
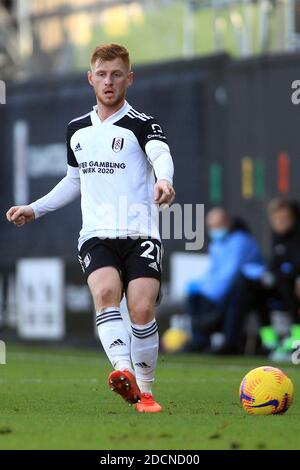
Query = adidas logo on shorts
x=153 y=265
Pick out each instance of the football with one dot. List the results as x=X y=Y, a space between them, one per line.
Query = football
x=265 y=391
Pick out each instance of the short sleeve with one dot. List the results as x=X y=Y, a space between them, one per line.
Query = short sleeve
x=151 y=130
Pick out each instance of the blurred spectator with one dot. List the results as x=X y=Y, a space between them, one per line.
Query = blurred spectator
x=278 y=287
x=209 y=298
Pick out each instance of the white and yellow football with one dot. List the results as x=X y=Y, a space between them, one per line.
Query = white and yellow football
x=265 y=391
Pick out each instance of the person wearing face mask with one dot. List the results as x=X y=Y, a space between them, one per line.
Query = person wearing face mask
x=230 y=248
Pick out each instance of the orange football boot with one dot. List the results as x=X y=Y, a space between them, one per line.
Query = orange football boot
x=147 y=404
x=123 y=382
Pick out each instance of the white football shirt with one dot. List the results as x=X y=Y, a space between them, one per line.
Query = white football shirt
x=116 y=177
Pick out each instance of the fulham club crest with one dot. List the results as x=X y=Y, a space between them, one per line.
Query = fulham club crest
x=117 y=144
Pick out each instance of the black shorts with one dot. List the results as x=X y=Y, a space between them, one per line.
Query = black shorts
x=133 y=258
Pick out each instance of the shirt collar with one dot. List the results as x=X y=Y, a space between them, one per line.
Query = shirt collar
x=111 y=119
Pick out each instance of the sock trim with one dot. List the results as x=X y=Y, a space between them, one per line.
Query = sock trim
x=105 y=321
x=145 y=332
x=108 y=317
x=104 y=314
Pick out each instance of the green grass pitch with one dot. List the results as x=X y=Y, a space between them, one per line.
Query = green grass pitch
x=58 y=399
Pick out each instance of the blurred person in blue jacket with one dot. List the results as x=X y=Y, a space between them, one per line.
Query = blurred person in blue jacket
x=231 y=247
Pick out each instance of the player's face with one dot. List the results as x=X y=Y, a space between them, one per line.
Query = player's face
x=110 y=80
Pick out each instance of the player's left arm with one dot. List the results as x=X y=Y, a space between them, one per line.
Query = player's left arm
x=158 y=154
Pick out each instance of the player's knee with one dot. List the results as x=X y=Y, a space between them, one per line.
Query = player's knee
x=142 y=312
x=105 y=296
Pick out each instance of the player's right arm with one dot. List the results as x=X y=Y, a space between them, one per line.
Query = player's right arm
x=62 y=194
x=20 y=215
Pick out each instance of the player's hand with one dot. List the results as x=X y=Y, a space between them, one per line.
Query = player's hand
x=164 y=192
x=20 y=215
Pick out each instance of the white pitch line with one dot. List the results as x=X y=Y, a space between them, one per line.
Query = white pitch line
x=40 y=381
x=97 y=381
x=54 y=358
x=95 y=361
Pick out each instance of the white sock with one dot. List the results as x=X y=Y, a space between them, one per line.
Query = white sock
x=114 y=337
x=144 y=351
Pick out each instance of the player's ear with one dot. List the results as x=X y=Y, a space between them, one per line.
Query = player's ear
x=90 y=77
x=130 y=79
